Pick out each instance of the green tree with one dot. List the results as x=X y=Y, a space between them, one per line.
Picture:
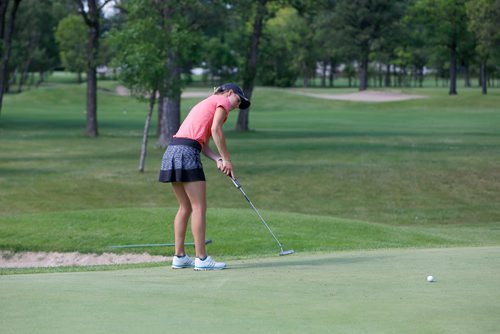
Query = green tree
x=219 y=59
x=166 y=37
x=279 y=61
x=415 y=43
x=72 y=47
x=445 y=24
x=220 y=28
x=34 y=48
x=139 y=56
x=91 y=11
x=325 y=39
x=8 y=12
x=309 y=53
x=392 y=50
x=483 y=17
x=361 y=25
x=249 y=67
x=182 y=23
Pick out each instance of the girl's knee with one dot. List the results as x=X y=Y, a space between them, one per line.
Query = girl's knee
x=199 y=208
x=185 y=209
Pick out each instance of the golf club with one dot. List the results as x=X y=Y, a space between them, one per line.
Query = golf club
x=209 y=241
x=238 y=185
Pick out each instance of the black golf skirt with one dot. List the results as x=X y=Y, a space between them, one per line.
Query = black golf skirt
x=181 y=162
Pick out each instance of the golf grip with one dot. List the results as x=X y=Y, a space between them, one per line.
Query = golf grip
x=235 y=182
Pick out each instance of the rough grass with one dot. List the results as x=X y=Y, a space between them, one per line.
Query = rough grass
x=235 y=232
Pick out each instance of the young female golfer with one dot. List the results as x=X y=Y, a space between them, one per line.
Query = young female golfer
x=181 y=165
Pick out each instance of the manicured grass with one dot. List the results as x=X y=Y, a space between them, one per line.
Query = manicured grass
x=382 y=291
x=328 y=175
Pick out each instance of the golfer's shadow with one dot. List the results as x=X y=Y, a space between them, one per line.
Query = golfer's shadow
x=303 y=262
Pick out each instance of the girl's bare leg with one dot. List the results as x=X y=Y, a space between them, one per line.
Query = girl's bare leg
x=181 y=218
x=196 y=191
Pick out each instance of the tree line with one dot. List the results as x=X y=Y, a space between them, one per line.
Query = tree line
x=152 y=45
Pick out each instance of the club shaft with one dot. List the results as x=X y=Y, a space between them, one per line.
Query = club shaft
x=265 y=224
x=238 y=185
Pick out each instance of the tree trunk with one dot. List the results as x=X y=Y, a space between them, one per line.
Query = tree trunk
x=169 y=109
x=380 y=76
x=484 y=81
x=147 y=123
x=170 y=120
x=421 y=76
x=414 y=76
x=453 y=70
x=91 y=19
x=306 y=81
x=6 y=32
x=24 y=74
x=363 y=72
x=467 y=83
x=387 y=81
x=41 y=79
x=22 y=80
x=331 y=76
x=250 y=70
x=323 y=73
x=10 y=80
x=171 y=102
x=92 y=130
x=160 y=115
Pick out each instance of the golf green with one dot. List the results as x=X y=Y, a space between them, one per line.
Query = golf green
x=382 y=291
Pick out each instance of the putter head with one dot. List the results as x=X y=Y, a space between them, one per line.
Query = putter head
x=287 y=252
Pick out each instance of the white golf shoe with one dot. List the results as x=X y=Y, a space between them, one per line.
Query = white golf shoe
x=208 y=264
x=182 y=262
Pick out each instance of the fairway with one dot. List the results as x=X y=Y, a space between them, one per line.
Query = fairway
x=382 y=291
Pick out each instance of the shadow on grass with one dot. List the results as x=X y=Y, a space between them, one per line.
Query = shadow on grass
x=306 y=262
x=64 y=127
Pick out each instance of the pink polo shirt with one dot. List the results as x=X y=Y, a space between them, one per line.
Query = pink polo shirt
x=198 y=123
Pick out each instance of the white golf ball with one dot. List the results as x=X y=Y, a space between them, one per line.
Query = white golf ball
x=430 y=278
